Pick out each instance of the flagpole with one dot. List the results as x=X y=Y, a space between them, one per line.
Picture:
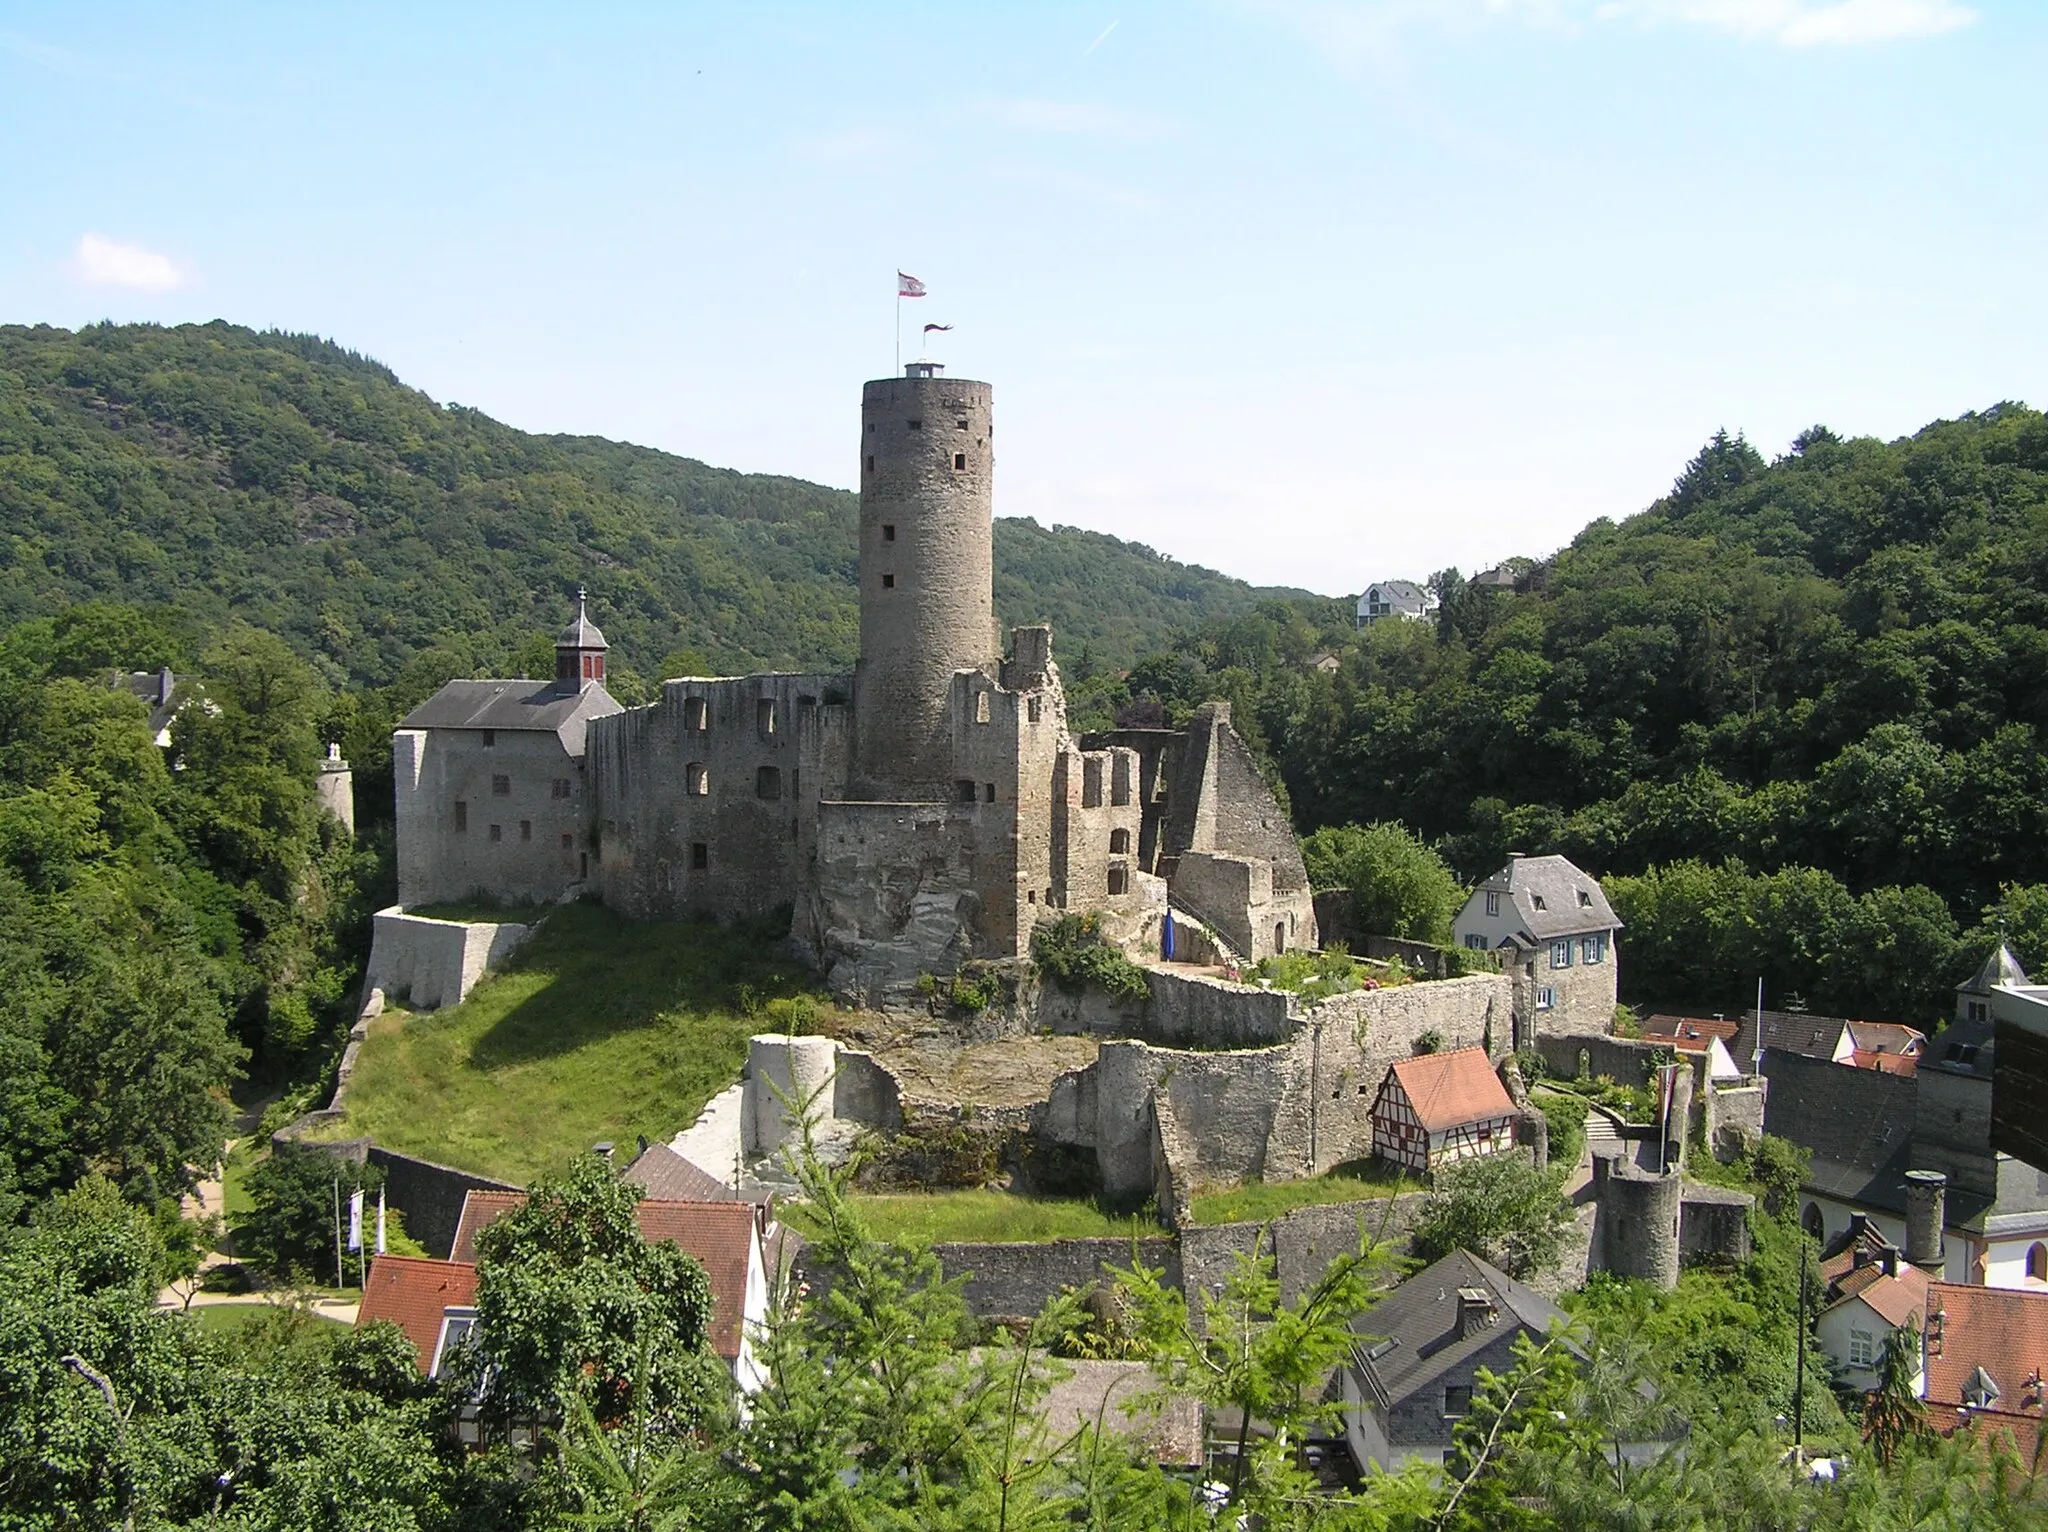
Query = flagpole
x=339 y=1279
x=899 y=328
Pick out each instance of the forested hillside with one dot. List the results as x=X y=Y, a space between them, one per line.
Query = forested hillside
x=1822 y=679
x=304 y=489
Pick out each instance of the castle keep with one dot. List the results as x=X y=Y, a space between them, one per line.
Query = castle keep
x=926 y=810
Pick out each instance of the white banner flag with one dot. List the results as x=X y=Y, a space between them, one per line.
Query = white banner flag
x=380 y=1220
x=355 y=1219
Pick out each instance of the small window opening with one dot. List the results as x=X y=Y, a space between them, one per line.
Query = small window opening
x=490 y=738
x=963 y=789
x=959 y=461
x=697 y=779
x=1118 y=878
x=2037 y=1262
x=1031 y=896
x=764 y=716
x=1091 y=784
x=526 y=829
x=959 y=425
x=461 y=815
x=915 y=425
x=696 y=714
x=1031 y=707
x=981 y=707
x=568 y=841
x=888 y=582
x=988 y=792
x=871 y=462
x=1119 y=842
x=501 y=787
x=1120 y=781
x=888 y=533
x=768 y=782
x=1280 y=937
x=497 y=834
x=700 y=855
x=582 y=864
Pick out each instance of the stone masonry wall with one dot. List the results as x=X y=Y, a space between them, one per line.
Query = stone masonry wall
x=505 y=845
x=433 y=963
x=716 y=765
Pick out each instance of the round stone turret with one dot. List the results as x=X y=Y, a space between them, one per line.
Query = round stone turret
x=927 y=461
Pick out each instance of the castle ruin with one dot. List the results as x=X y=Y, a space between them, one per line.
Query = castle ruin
x=927 y=810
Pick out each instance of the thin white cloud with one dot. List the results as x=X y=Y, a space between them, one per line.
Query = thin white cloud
x=864 y=146
x=1351 y=28
x=103 y=262
x=1085 y=118
x=1804 y=23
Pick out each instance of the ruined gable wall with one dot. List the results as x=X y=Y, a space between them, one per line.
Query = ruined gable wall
x=434 y=769
x=742 y=733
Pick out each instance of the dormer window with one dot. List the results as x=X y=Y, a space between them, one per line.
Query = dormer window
x=1537 y=900
x=1585 y=900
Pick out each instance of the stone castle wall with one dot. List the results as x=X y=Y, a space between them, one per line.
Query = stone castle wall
x=507 y=845
x=433 y=963
x=702 y=795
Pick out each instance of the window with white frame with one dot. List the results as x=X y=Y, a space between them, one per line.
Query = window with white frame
x=1476 y=942
x=1593 y=949
x=1546 y=998
x=1561 y=954
x=1862 y=1348
x=455 y=1327
x=1492 y=902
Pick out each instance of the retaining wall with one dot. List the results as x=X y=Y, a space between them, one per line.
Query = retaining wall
x=434 y=962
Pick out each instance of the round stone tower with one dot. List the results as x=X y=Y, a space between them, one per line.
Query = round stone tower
x=927 y=460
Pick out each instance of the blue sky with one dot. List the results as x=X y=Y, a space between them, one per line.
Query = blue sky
x=1307 y=291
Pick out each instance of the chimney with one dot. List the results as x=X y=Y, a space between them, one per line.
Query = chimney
x=1475 y=1311
x=1926 y=1212
x=1890 y=1260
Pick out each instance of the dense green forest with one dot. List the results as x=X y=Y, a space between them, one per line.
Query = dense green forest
x=299 y=487
x=1810 y=694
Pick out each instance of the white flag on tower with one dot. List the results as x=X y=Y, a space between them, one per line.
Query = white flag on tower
x=908 y=286
x=380 y=1220
x=355 y=1219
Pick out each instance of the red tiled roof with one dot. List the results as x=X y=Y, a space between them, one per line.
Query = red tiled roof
x=2000 y=1329
x=1896 y=1299
x=1890 y=1063
x=719 y=1234
x=413 y=1294
x=1448 y=1090
x=1689 y=1034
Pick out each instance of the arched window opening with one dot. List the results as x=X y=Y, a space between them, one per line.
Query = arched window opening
x=2037 y=1262
x=1119 y=842
x=697 y=779
x=1814 y=1222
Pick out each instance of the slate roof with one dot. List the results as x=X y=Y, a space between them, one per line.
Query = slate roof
x=1963 y=1048
x=2001 y=1330
x=414 y=1293
x=660 y=1172
x=1553 y=897
x=532 y=705
x=1449 y=1090
x=1398 y=592
x=1813 y=1037
x=581 y=633
x=1420 y=1319
x=1999 y=968
x=719 y=1234
x=1857 y=1122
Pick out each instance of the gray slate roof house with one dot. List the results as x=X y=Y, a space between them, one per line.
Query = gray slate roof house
x=1550 y=896
x=512 y=705
x=1392 y=598
x=1411 y=1375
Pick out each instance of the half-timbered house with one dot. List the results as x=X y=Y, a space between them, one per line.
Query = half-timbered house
x=1436 y=1108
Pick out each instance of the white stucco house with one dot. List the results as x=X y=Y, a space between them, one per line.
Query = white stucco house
x=1393 y=598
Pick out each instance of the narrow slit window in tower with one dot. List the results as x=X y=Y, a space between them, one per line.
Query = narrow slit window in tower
x=1120 y=781
x=1091 y=784
x=988 y=792
x=981 y=707
x=768 y=782
x=461 y=816
x=764 y=716
x=497 y=834
x=888 y=532
x=526 y=829
x=959 y=461
x=1031 y=709
x=871 y=462
x=700 y=855
x=568 y=841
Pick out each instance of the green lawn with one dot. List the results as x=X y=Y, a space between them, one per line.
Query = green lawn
x=599 y=1028
x=1260 y=1202
x=231 y=1317
x=982 y=1215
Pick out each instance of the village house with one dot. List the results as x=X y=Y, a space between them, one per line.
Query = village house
x=1438 y=1108
x=1554 y=931
x=1413 y=1372
x=433 y=1302
x=1704 y=1037
x=1869 y=1290
x=1887 y=1045
x=736 y=1242
x=1393 y=598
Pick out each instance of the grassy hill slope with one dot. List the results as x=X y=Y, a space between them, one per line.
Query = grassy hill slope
x=302 y=487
